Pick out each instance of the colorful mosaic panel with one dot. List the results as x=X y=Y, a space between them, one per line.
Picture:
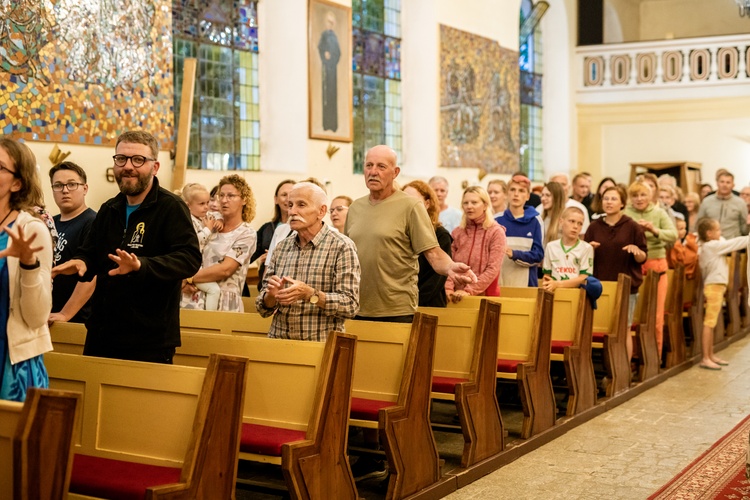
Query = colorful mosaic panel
x=223 y=36
x=83 y=71
x=376 y=32
x=479 y=107
x=530 y=63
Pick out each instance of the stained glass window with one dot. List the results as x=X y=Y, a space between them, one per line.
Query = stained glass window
x=530 y=63
x=376 y=32
x=223 y=36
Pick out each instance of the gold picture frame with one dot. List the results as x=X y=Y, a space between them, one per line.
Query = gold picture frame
x=329 y=55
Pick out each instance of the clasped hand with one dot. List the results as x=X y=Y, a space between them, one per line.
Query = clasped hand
x=286 y=290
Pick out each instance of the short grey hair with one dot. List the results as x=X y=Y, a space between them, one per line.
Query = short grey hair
x=438 y=178
x=319 y=196
x=560 y=174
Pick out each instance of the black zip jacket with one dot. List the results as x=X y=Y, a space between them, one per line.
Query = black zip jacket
x=141 y=309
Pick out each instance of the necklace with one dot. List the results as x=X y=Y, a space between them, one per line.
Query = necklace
x=6 y=216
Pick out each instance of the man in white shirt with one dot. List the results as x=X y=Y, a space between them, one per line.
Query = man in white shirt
x=450 y=217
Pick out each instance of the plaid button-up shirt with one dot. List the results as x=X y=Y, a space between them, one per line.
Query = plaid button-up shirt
x=330 y=265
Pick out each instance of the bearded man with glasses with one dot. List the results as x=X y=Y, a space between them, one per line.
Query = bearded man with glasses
x=70 y=297
x=141 y=246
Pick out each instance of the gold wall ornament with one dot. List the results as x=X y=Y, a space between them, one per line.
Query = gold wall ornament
x=331 y=150
x=56 y=156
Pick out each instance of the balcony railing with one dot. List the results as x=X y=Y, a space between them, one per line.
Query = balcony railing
x=665 y=64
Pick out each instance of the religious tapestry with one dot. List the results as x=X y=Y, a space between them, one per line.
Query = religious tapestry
x=83 y=71
x=479 y=103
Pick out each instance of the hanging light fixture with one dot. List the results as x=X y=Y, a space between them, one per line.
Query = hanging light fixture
x=744 y=7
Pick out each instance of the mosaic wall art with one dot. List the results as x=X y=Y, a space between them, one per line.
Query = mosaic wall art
x=83 y=71
x=479 y=103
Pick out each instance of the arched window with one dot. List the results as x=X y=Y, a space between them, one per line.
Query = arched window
x=530 y=64
x=376 y=33
x=223 y=36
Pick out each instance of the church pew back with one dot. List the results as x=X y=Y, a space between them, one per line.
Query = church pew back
x=36 y=444
x=232 y=323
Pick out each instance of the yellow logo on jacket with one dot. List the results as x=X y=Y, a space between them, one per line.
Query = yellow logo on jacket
x=136 y=241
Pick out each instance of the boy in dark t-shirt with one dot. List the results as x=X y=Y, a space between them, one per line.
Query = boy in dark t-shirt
x=69 y=296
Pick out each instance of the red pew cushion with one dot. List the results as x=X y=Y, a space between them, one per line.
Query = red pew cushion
x=558 y=346
x=508 y=365
x=117 y=479
x=446 y=385
x=367 y=409
x=266 y=440
x=598 y=336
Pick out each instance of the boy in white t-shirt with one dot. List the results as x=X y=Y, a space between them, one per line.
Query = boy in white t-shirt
x=569 y=260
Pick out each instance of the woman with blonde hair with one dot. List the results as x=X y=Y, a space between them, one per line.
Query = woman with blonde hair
x=478 y=242
x=226 y=255
x=692 y=204
x=498 y=193
x=553 y=205
x=431 y=284
x=660 y=232
x=25 y=279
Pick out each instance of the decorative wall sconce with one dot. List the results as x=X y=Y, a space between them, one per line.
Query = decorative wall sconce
x=57 y=156
x=331 y=150
x=111 y=174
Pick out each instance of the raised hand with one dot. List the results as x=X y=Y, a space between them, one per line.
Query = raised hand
x=126 y=262
x=21 y=246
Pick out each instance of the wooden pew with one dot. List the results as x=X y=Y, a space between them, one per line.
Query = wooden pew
x=610 y=331
x=68 y=338
x=674 y=333
x=391 y=392
x=36 y=444
x=745 y=292
x=465 y=371
x=524 y=345
x=692 y=309
x=232 y=323
x=644 y=325
x=572 y=317
x=733 y=294
x=296 y=407
x=160 y=431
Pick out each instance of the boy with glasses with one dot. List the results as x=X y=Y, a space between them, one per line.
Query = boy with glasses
x=70 y=298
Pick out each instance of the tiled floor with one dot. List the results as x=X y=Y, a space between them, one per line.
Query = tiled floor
x=633 y=449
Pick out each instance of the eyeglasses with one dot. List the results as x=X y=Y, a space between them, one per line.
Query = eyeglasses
x=135 y=160
x=338 y=209
x=228 y=196
x=72 y=186
x=14 y=174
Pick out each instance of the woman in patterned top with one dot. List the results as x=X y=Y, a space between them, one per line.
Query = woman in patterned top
x=227 y=253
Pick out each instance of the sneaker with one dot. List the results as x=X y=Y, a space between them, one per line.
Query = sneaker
x=368 y=468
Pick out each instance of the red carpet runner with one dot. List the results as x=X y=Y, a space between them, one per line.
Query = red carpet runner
x=718 y=473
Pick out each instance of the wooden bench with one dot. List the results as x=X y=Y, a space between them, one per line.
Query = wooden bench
x=745 y=292
x=524 y=345
x=644 y=326
x=36 y=444
x=296 y=407
x=391 y=392
x=465 y=371
x=572 y=317
x=68 y=338
x=674 y=333
x=231 y=323
x=733 y=294
x=610 y=331
x=152 y=430
x=692 y=309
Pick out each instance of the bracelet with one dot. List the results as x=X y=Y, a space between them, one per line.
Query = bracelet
x=190 y=280
x=29 y=267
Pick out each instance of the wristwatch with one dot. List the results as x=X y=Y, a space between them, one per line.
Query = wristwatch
x=314 y=297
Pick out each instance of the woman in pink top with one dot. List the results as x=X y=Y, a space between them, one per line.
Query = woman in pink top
x=479 y=242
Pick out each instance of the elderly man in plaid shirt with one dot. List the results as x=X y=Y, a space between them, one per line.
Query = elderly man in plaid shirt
x=312 y=283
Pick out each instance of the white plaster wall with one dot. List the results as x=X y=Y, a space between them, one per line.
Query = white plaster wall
x=716 y=144
x=622 y=21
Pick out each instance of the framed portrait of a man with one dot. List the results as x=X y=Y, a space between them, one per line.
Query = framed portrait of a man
x=330 y=71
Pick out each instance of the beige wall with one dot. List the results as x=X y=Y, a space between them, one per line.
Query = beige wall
x=714 y=132
x=643 y=20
